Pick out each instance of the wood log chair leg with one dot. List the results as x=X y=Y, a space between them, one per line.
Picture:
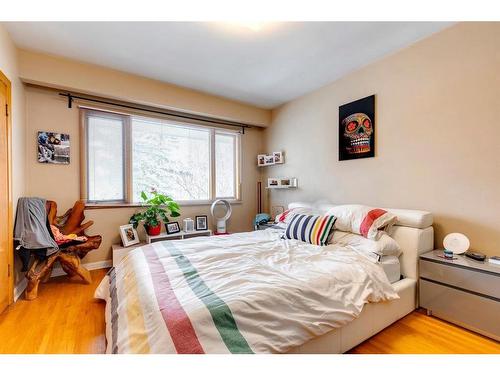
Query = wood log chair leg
x=37 y=272
x=47 y=275
x=71 y=264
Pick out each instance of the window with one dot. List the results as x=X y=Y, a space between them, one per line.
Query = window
x=129 y=154
x=225 y=165
x=105 y=159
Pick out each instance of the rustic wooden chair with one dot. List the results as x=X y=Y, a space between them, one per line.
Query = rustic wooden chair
x=68 y=256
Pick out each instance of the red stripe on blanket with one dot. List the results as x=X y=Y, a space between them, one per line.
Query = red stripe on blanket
x=369 y=219
x=177 y=321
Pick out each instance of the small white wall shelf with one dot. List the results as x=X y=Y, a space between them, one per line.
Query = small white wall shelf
x=275 y=158
x=282 y=183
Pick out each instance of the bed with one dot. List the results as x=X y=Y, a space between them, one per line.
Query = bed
x=258 y=293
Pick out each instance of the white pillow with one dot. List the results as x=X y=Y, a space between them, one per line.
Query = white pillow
x=364 y=220
x=384 y=246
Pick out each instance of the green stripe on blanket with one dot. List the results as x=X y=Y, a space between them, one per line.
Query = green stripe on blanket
x=220 y=312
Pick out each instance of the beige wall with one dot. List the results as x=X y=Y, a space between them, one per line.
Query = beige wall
x=38 y=68
x=437 y=149
x=9 y=66
x=46 y=110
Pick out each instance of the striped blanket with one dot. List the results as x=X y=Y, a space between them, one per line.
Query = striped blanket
x=243 y=293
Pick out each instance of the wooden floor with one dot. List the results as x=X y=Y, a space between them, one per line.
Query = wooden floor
x=418 y=333
x=66 y=319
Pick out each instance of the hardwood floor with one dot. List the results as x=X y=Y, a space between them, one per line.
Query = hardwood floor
x=418 y=333
x=65 y=318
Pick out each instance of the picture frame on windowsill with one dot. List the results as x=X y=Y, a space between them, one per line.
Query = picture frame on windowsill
x=129 y=235
x=172 y=227
x=201 y=222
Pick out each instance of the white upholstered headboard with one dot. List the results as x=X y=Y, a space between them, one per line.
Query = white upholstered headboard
x=413 y=232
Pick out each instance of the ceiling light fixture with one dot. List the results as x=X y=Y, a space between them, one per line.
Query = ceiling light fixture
x=250 y=25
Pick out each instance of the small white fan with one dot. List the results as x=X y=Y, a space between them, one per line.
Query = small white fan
x=221 y=221
x=458 y=243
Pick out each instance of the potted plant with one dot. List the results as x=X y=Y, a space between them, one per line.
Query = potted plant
x=159 y=207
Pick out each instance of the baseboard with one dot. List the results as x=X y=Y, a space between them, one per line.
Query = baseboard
x=58 y=271
x=19 y=288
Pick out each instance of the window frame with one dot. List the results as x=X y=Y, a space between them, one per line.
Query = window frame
x=127 y=118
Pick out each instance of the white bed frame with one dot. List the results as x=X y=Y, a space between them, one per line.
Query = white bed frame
x=414 y=233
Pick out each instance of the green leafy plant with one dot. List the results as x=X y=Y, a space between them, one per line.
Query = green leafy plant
x=159 y=207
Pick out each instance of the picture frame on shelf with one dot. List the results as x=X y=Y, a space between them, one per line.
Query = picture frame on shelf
x=172 y=227
x=201 y=222
x=285 y=182
x=278 y=157
x=272 y=182
x=281 y=183
x=269 y=160
x=128 y=235
x=261 y=160
x=288 y=182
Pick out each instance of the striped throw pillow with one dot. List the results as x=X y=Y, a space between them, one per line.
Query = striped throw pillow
x=312 y=229
x=364 y=220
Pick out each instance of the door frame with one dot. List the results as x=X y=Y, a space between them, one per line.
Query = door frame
x=10 y=227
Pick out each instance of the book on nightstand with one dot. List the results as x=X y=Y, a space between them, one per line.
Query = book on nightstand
x=494 y=260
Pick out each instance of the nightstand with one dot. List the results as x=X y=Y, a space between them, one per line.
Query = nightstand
x=463 y=291
x=119 y=251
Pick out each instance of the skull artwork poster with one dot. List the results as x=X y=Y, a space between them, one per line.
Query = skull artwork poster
x=357 y=129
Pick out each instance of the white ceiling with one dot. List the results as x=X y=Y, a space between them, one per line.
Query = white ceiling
x=266 y=68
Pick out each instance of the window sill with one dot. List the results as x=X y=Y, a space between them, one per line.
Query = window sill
x=104 y=205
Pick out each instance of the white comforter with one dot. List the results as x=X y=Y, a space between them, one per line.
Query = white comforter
x=242 y=293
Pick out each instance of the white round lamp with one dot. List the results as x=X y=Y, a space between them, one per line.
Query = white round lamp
x=458 y=243
x=221 y=220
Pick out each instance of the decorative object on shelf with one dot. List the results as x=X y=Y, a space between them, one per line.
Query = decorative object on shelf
x=272 y=182
x=221 y=220
x=282 y=183
x=53 y=148
x=448 y=254
x=129 y=235
x=188 y=225
x=172 y=227
x=69 y=254
x=457 y=243
x=201 y=222
x=476 y=255
x=357 y=129
x=159 y=207
x=269 y=160
x=276 y=157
